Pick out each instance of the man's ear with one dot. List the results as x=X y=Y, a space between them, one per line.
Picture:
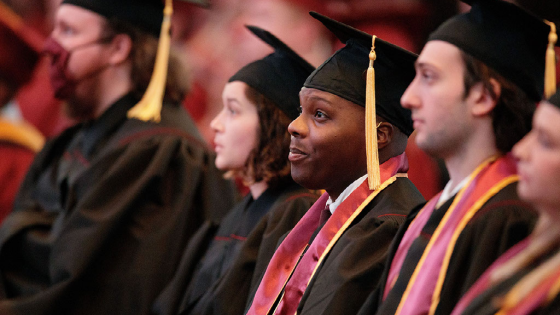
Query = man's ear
x=483 y=100
x=121 y=47
x=385 y=133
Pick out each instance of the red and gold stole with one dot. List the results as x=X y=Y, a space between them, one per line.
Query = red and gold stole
x=423 y=290
x=282 y=275
x=536 y=289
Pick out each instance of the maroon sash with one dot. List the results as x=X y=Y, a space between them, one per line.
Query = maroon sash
x=288 y=255
x=513 y=303
x=423 y=291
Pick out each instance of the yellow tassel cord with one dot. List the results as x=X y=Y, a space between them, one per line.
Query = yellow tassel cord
x=22 y=134
x=149 y=107
x=550 y=63
x=374 y=180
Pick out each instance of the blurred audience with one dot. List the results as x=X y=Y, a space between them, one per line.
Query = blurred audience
x=19 y=140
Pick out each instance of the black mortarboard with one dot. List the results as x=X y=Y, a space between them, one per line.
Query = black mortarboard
x=344 y=73
x=555 y=99
x=508 y=39
x=369 y=72
x=278 y=76
x=144 y=14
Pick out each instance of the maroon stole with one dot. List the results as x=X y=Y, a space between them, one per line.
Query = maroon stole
x=512 y=304
x=423 y=290
x=288 y=271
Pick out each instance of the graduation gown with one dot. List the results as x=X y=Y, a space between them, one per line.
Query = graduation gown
x=485 y=297
x=354 y=266
x=354 y=260
x=104 y=213
x=501 y=222
x=219 y=282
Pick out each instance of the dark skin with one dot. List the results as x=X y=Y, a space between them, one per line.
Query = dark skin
x=328 y=148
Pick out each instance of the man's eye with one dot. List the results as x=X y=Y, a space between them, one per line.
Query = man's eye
x=66 y=30
x=320 y=114
x=544 y=141
x=428 y=76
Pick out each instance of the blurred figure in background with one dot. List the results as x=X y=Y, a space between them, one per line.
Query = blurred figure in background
x=36 y=100
x=19 y=140
x=105 y=211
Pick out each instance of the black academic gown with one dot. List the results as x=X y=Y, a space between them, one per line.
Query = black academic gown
x=104 y=213
x=222 y=277
x=353 y=267
x=502 y=222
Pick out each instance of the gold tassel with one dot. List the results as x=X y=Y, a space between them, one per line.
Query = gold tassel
x=550 y=63
x=374 y=180
x=149 y=107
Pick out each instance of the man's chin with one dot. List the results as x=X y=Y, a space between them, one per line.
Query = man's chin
x=306 y=180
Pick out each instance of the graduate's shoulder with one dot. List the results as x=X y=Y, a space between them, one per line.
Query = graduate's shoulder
x=506 y=204
x=396 y=201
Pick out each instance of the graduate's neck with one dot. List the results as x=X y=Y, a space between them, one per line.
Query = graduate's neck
x=335 y=192
x=472 y=152
x=257 y=189
x=116 y=83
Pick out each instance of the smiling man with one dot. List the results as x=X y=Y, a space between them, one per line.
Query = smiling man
x=477 y=82
x=106 y=208
x=334 y=256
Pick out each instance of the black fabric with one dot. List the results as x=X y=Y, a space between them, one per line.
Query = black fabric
x=555 y=99
x=344 y=73
x=505 y=37
x=502 y=222
x=104 y=213
x=144 y=14
x=485 y=303
x=353 y=267
x=242 y=247
x=278 y=76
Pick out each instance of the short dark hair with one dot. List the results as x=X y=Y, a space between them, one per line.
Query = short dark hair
x=143 y=56
x=512 y=117
x=268 y=161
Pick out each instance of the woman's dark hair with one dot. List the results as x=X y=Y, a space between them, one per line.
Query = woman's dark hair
x=268 y=161
x=143 y=56
x=512 y=117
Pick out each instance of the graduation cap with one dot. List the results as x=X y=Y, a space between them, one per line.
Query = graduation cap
x=278 y=76
x=510 y=40
x=19 y=47
x=344 y=74
x=155 y=18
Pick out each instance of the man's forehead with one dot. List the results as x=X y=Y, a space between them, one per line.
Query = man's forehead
x=318 y=95
x=74 y=14
x=328 y=100
x=439 y=54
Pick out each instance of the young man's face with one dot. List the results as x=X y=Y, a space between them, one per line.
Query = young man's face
x=436 y=98
x=79 y=31
x=328 y=148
